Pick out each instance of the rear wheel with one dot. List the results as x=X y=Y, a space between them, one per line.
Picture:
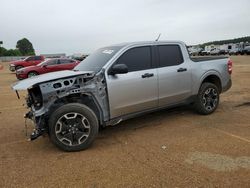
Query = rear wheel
x=31 y=74
x=73 y=127
x=207 y=99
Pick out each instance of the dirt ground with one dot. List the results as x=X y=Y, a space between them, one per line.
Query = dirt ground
x=171 y=148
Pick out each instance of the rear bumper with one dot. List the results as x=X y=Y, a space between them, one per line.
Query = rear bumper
x=227 y=86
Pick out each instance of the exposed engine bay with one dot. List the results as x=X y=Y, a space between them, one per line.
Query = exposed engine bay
x=45 y=97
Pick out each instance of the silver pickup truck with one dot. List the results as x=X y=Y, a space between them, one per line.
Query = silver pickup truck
x=119 y=82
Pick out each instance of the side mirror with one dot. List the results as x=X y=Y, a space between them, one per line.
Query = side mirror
x=119 y=69
x=44 y=66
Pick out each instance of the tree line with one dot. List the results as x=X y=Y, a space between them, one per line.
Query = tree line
x=221 y=42
x=23 y=48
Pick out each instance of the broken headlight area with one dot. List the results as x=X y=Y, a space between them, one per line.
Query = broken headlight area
x=34 y=102
x=34 y=98
x=39 y=125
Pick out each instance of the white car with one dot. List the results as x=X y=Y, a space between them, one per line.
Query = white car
x=215 y=51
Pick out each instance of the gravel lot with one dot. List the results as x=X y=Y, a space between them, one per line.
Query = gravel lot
x=171 y=148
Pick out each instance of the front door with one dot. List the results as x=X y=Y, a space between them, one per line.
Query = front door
x=136 y=90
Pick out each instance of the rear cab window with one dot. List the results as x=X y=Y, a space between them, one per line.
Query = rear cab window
x=170 y=55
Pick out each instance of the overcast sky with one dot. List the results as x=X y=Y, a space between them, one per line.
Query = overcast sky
x=72 y=26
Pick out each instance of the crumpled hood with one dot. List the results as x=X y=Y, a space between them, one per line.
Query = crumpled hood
x=27 y=83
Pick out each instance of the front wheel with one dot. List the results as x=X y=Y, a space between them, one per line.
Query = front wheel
x=31 y=74
x=207 y=99
x=73 y=127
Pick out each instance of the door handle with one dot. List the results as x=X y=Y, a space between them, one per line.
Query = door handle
x=147 y=75
x=181 y=70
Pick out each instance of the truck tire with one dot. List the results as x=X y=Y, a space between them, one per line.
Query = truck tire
x=73 y=127
x=207 y=99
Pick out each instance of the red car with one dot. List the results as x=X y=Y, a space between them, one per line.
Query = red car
x=49 y=65
x=28 y=61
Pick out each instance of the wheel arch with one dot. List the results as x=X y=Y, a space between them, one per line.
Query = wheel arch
x=214 y=78
x=82 y=98
x=33 y=71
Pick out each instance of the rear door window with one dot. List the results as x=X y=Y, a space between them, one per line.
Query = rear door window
x=64 y=61
x=136 y=59
x=169 y=55
x=52 y=62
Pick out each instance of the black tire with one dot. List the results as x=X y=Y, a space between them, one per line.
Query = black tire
x=18 y=67
x=65 y=138
x=208 y=98
x=32 y=73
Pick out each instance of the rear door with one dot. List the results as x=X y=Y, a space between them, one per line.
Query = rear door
x=136 y=90
x=52 y=66
x=174 y=75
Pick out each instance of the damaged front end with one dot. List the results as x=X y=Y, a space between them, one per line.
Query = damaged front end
x=49 y=91
x=34 y=102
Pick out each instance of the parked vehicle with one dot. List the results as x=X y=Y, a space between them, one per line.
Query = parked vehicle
x=79 y=57
x=204 y=53
x=222 y=52
x=49 y=65
x=215 y=51
x=247 y=50
x=234 y=51
x=196 y=52
x=29 y=61
x=119 y=82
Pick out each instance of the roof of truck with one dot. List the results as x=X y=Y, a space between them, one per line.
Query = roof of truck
x=147 y=42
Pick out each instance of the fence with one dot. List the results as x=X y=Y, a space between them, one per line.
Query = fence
x=11 y=58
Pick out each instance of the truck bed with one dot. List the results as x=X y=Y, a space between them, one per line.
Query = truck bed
x=207 y=58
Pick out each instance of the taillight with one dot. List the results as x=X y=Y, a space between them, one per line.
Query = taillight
x=230 y=66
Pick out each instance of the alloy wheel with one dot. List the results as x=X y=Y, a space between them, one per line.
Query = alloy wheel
x=210 y=99
x=72 y=129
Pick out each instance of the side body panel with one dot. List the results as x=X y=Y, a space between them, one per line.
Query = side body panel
x=129 y=93
x=173 y=87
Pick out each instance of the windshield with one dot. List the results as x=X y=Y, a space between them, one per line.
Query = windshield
x=95 y=61
x=26 y=58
